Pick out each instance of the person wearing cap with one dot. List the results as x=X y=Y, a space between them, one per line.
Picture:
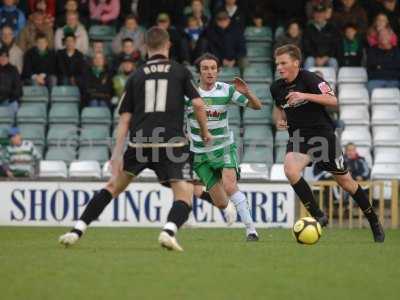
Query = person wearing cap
x=179 y=50
x=10 y=83
x=226 y=41
x=22 y=155
x=126 y=68
x=321 y=45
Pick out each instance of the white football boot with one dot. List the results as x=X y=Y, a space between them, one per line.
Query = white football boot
x=169 y=242
x=230 y=213
x=68 y=239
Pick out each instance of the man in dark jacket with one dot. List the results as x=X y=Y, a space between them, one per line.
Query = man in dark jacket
x=40 y=64
x=10 y=83
x=383 y=63
x=226 y=41
x=357 y=164
x=70 y=63
x=321 y=40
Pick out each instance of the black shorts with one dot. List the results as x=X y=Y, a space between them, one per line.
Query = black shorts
x=169 y=163
x=323 y=149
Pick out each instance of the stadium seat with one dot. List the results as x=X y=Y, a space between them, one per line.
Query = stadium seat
x=53 y=169
x=261 y=116
x=385 y=96
x=354 y=86
x=64 y=113
x=148 y=173
x=35 y=94
x=386 y=136
x=95 y=135
x=280 y=153
x=353 y=96
x=66 y=154
x=354 y=114
x=387 y=155
x=228 y=74
x=87 y=168
x=236 y=132
x=352 y=75
x=258 y=73
x=96 y=115
x=65 y=94
x=98 y=153
x=359 y=135
x=62 y=135
x=262 y=92
x=329 y=74
x=233 y=115
x=4 y=140
x=259 y=52
x=106 y=170
x=32 y=113
x=281 y=137
x=102 y=32
x=255 y=34
x=387 y=171
x=383 y=116
x=254 y=171
x=277 y=173
x=34 y=133
x=6 y=118
x=258 y=135
x=260 y=154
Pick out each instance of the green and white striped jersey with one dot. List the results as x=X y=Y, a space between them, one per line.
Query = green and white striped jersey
x=217 y=101
x=22 y=158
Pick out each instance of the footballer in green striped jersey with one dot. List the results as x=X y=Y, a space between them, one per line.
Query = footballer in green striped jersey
x=216 y=162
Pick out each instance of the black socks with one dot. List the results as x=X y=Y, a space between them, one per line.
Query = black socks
x=178 y=215
x=96 y=206
x=306 y=196
x=362 y=200
x=206 y=197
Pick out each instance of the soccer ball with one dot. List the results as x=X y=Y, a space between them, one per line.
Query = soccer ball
x=307 y=231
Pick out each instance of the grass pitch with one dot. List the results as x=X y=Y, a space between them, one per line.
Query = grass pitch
x=217 y=264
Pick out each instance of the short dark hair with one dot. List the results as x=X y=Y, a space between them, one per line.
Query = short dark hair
x=292 y=50
x=132 y=17
x=156 y=38
x=206 y=56
x=40 y=36
x=125 y=40
x=4 y=51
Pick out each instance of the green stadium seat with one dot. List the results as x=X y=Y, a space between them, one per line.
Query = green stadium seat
x=228 y=74
x=95 y=135
x=233 y=115
x=280 y=152
x=6 y=117
x=35 y=94
x=102 y=32
x=64 y=113
x=259 y=52
x=63 y=135
x=32 y=113
x=98 y=153
x=258 y=73
x=34 y=133
x=66 y=154
x=262 y=116
x=65 y=94
x=258 y=135
x=96 y=115
x=281 y=137
x=236 y=133
x=258 y=154
x=4 y=140
x=115 y=117
x=254 y=34
x=262 y=92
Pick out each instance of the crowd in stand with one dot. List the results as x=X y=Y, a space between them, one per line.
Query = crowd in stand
x=46 y=42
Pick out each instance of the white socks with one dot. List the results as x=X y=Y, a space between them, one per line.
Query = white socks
x=243 y=209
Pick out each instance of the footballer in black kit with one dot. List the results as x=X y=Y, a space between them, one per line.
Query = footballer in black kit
x=300 y=99
x=152 y=111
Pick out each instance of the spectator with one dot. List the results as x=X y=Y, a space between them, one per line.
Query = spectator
x=70 y=63
x=392 y=9
x=321 y=43
x=357 y=164
x=128 y=49
x=98 y=84
x=193 y=32
x=236 y=13
x=383 y=63
x=36 y=25
x=129 y=7
x=132 y=31
x=381 y=21
x=128 y=65
x=197 y=11
x=10 y=83
x=104 y=12
x=40 y=64
x=179 y=50
x=11 y=16
x=68 y=6
x=96 y=47
x=225 y=40
x=352 y=51
x=74 y=27
x=4 y=168
x=293 y=35
x=47 y=7
x=7 y=40
x=350 y=12
x=23 y=155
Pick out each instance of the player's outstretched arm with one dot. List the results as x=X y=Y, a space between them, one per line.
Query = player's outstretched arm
x=122 y=132
x=324 y=99
x=279 y=117
x=201 y=116
x=242 y=87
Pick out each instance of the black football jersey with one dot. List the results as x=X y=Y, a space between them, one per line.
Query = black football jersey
x=155 y=95
x=307 y=116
